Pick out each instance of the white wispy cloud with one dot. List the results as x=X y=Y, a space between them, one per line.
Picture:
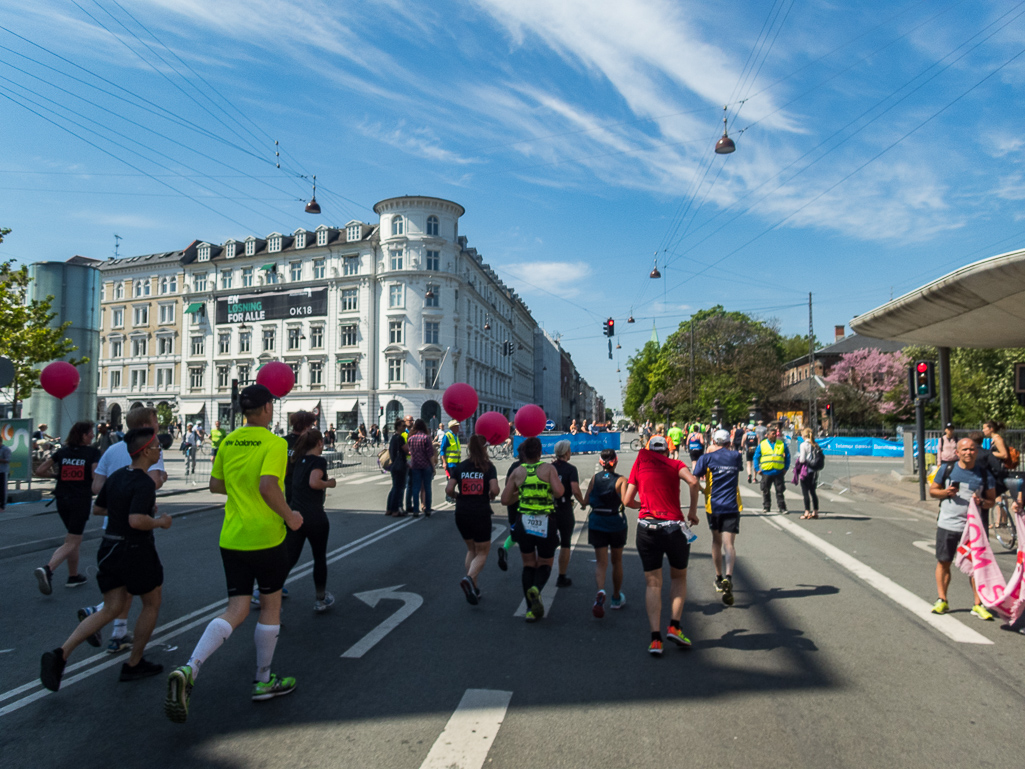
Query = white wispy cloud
x=420 y=141
x=563 y=279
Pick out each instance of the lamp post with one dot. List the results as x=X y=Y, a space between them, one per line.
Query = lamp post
x=716 y=413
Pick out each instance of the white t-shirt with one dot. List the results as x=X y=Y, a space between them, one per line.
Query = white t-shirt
x=117 y=456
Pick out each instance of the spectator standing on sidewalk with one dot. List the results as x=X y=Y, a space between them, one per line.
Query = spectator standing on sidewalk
x=947 y=449
x=811 y=457
x=772 y=460
x=5 y=468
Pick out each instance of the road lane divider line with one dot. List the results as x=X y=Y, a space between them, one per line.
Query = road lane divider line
x=926 y=545
x=944 y=623
x=548 y=594
x=470 y=732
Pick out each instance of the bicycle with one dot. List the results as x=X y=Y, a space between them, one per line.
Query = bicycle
x=501 y=451
x=635 y=444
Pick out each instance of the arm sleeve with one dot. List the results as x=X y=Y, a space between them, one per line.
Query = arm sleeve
x=274 y=461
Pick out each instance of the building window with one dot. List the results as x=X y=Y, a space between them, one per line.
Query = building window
x=224 y=344
x=395 y=332
x=165 y=345
x=199 y=281
x=117 y=318
x=432 y=225
x=395 y=370
x=169 y=284
x=316 y=337
x=318 y=269
x=196 y=378
x=275 y=244
x=431 y=298
x=300 y=240
x=353 y=232
x=229 y=250
x=115 y=380
x=268 y=340
x=350 y=265
x=140 y=316
x=397 y=226
x=204 y=254
x=243 y=375
x=431 y=332
x=396 y=260
x=295 y=366
x=198 y=345
x=199 y=316
x=245 y=341
x=272 y=276
x=347 y=372
x=141 y=288
x=167 y=313
x=138 y=379
x=225 y=278
x=139 y=348
x=247 y=277
x=294 y=335
x=321 y=237
x=295 y=271
x=350 y=299
x=316 y=374
x=119 y=290
x=250 y=247
x=431 y=374
x=222 y=378
x=433 y=262
x=165 y=378
x=347 y=335
x=116 y=348
x=395 y=295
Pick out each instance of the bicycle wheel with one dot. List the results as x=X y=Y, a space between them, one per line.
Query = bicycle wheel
x=635 y=444
x=1003 y=530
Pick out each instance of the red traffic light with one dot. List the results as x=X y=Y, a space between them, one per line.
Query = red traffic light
x=922 y=367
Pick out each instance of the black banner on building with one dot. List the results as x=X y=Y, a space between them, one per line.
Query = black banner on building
x=272 y=305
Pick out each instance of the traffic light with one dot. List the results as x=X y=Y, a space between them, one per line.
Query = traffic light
x=829 y=413
x=923 y=380
x=610 y=327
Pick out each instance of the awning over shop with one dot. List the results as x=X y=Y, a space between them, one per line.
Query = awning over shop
x=269 y=267
x=346 y=360
x=980 y=305
x=293 y=405
x=346 y=404
x=194 y=307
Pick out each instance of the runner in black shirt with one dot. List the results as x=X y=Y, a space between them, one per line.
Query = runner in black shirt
x=73 y=467
x=127 y=560
x=301 y=421
x=309 y=480
x=564 y=519
x=476 y=480
x=513 y=511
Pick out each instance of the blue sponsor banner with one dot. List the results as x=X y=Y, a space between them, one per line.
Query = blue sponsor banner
x=861 y=447
x=578 y=443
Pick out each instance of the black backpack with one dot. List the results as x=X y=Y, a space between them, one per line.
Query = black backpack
x=817 y=460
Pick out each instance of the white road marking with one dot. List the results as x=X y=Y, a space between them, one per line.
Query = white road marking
x=548 y=594
x=410 y=603
x=945 y=623
x=926 y=545
x=368 y=479
x=470 y=732
x=496 y=532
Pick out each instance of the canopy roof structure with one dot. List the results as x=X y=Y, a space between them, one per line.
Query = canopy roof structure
x=980 y=305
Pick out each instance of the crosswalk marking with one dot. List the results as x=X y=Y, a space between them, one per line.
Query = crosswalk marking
x=470 y=731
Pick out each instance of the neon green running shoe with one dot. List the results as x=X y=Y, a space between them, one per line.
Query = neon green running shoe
x=179 y=689
x=276 y=687
x=940 y=607
x=537 y=608
x=676 y=635
x=982 y=612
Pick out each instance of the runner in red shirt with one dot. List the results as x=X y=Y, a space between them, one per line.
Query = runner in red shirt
x=661 y=531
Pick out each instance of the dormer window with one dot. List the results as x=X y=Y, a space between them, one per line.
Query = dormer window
x=353 y=232
x=432 y=225
x=397 y=226
x=274 y=244
x=229 y=251
x=300 y=240
x=204 y=253
x=250 y=247
x=321 y=237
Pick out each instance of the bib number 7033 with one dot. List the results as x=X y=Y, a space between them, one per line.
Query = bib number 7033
x=536 y=525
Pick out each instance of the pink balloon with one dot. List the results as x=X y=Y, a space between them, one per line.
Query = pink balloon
x=60 y=379
x=277 y=377
x=493 y=426
x=459 y=401
x=530 y=420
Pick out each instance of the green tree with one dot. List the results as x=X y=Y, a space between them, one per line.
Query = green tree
x=638 y=381
x=27 y=336
x=796 y=346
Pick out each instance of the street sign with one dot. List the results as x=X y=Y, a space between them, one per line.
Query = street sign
x=549 y=425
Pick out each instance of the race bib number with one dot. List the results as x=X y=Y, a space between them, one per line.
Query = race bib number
x=471 y=486
x=536 y=525
x=72 y=473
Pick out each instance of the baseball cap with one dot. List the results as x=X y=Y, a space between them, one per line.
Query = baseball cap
x=721 y=437
x=658 y=443
x=453 y=423
x=948 y=424
x=254 y=396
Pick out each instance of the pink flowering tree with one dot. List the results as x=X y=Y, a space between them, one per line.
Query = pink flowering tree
x=870 y=386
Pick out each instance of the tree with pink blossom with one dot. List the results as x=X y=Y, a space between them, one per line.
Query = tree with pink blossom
x=867 y=386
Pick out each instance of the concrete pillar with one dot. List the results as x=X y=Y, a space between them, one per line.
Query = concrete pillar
x=946 y=411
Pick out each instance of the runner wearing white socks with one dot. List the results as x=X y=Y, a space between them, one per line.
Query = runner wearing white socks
x=250 y=470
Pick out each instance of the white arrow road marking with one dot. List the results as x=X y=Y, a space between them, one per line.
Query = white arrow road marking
x=470 y=732
x=926 y=545
x=496 y=532
x=945 y=623
x=548 y=594
x=411 y=602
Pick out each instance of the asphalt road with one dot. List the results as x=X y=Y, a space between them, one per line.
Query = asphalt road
x=825 y=660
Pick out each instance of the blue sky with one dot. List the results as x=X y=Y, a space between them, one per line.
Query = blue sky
x=880 y=144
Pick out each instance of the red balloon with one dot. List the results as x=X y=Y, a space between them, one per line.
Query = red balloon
x=277 y=377
x=459 y=401
x=60 y=379
x=530 y=420
x=493 y=426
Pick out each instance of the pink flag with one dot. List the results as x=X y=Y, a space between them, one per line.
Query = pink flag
x=975 y=558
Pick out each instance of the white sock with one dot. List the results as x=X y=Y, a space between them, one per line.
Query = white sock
x=266 y=638
x=98 y=607
x=216 y=633
x=120 y=628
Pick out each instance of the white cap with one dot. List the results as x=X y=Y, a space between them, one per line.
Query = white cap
x=721 y=437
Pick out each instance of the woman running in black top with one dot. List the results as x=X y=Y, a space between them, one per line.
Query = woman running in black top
x=309 y=480
x=476 y=480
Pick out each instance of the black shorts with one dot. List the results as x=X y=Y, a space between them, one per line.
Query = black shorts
x=669 y=541
x=695 y=455
x=133 y=566
x=74 y=513
x=564 y=522
x=545 y=546
x=267 y=568
x=750 y=455
x=474 y=526
x=946 y=544
x=728 y=522
x=601 y=539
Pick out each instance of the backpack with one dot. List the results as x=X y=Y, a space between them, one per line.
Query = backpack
x=817 y=460
x=384 y=460
x=1011 y=463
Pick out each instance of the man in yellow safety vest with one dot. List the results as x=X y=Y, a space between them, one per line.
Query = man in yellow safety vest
x=772 y=460
x=451 y=450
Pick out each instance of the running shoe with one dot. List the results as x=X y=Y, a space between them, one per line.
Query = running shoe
x=676 y=635
x=45 y=578
x=477 y=591
x=940 y=607
x=536 y=607
x=598 y=610
x=727 y=590
x=655 y=648
x=120 y=644
x=982 y=612
x=51 y=668
x=563 y=581
x=276 y=687
x=471 y=595
x=144 y=669
x=179 y=691
x=96 y=638
x=718 y=584
x=254 y=602
x=323 y=604
x=618 y=603
x=75 y=581
x=503 y=559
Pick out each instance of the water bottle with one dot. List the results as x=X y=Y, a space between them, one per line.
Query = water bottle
x=690 y=535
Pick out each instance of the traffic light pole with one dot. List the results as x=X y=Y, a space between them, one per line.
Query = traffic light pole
x=920 y=436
